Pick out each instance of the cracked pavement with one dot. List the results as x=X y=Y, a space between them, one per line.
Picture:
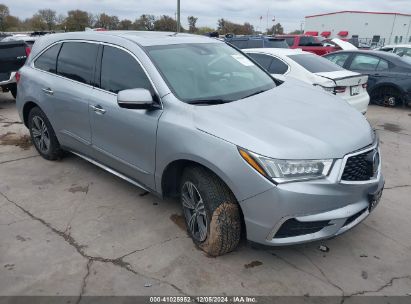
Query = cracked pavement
x=70 y=228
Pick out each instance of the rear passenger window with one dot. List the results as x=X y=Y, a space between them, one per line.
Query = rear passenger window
x=48 y=60
x=278 y=67
x=263 y=60
x=120 y=71
x=77 y=60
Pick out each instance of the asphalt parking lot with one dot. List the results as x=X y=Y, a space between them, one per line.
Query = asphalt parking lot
x=70 y=228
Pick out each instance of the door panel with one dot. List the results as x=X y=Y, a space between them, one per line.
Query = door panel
x=123 y=139
x=71 y=92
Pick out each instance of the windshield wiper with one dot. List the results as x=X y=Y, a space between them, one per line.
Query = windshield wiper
x=209 y=101
x=255 y=93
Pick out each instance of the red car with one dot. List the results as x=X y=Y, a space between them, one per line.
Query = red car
x=308 y=43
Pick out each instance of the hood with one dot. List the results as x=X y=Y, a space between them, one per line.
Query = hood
x=291 y=121
x=344 y=44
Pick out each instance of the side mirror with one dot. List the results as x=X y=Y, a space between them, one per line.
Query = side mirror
x=135 y=99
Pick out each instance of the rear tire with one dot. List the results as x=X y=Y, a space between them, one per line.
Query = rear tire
x=43 y=136
x=386 y=97
x=211 y=211
x=13 y=91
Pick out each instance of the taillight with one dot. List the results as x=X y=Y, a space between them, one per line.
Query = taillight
x=17 y=76
x=339 y=90
x=28 y=51
x=365 y=85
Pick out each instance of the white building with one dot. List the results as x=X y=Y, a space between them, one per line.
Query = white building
x=376 y=27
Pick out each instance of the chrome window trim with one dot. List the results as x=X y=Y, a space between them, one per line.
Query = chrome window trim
x=98 y=43
x=375 y=145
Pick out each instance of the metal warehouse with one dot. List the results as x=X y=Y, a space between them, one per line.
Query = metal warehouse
x=372 y=28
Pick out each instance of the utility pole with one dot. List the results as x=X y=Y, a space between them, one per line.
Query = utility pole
x=178 y=16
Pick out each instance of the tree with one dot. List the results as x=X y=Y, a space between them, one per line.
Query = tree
x=204 y=30
x=12 y=23
x=145 y=23
x=276 y=29
x=37 y=23
x=126 y=25
x=77 y=20
x=165 y=23
x=49 y=18
x=226 y=27
x=107 y=22
x=4 y=13
x=192 y=24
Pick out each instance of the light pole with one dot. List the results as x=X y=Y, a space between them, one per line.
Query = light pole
x=178 y=16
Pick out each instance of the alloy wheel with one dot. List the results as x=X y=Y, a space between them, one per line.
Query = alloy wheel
x=194 y=211
x=40 y=133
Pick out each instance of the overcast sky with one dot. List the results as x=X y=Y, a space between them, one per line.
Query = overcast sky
x=290 y=13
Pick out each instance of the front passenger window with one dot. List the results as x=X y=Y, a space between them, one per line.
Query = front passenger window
x=120 y=71
x=365 y=63
x=338 y=59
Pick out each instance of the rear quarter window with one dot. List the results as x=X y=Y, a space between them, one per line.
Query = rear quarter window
x=48 y=60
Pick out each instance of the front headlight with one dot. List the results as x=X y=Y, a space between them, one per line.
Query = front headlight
x=287 y=170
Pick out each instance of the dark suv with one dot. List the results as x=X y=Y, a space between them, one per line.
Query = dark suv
x=254 y=42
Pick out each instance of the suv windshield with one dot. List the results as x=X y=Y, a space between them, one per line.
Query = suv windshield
x=209 y=72
x=315 y=64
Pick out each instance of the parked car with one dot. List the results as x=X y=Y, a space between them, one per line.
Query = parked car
x=307 y=43
x=251 y=42
x=399 y=49
x=389 y=81
x=12 y=57
x=191 y=117
x=317 y=71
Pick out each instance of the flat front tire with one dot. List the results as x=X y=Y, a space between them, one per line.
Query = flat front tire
x=211 y=211
x=42 y=135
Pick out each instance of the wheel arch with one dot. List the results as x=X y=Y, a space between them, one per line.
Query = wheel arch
x=171 y=180
x=387 y=84
x=172 y=173
x=26 y=111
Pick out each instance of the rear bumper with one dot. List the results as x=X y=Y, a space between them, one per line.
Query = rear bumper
x=12 y=79
x=359 y=102
x=332 y=208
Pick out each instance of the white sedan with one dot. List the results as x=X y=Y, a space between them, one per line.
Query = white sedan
x=318 y=71
x=399 y=49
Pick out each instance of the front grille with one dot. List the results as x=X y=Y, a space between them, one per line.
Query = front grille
x=292 y=227
x=361 y=167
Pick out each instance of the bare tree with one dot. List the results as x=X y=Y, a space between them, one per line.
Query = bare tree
x=4 y=13
x=145 y=23
x=49 y=18
x=192 y=24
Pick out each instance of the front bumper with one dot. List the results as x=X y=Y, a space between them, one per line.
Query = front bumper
x=300 y=212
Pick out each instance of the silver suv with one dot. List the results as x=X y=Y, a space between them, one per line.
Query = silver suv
x=191 y=117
